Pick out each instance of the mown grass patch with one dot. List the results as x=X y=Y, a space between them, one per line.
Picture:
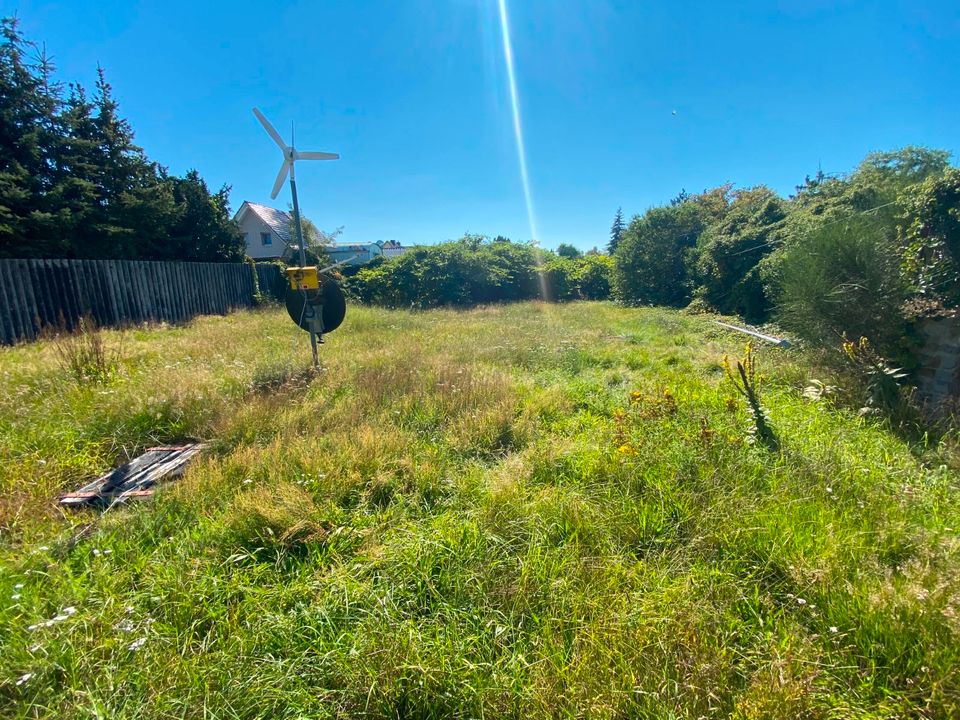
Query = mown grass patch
x=525 y=510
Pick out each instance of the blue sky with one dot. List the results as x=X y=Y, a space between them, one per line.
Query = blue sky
x=413 y=95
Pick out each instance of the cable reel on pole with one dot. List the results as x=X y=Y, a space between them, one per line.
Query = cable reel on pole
x=314 y=300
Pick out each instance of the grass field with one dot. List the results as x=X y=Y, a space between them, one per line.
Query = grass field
x=520 y=511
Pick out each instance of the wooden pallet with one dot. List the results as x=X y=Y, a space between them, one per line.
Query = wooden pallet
x=135 y=479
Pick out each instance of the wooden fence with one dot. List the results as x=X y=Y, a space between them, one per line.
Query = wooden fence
x=40 y=294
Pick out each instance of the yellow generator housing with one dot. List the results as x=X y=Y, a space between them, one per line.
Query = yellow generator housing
x=303 y=278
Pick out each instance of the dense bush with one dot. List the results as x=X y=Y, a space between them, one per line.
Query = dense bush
x=843 y=258
x=651 y=259
x=930 y=238
x=473 y=271
x=842 y=280
x=593 y=277
x=654 y=256
x=856 y=249
x=729 y=251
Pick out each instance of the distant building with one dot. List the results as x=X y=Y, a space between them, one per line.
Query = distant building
x=266 y=231
x=362 y=253
x=354 y=254
x=391 y=248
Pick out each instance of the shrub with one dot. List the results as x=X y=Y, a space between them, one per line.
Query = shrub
x=842 y=280
x=559 y=279
x=729 y=251
x=593 y=277
x=745 y=379
x=472 y=271
x=86 y=355
x=881 y=381
x=653 y=258
x=930 y=238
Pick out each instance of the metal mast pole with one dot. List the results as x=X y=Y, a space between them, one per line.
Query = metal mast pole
x=303 y=259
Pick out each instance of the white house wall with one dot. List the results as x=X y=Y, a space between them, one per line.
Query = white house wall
x=251 y=227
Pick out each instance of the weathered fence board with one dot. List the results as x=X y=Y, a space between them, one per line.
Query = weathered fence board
x=54 y=294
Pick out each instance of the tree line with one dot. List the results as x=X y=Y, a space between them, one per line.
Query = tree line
x=73 y=184
x=859 y=254
x=476 y=270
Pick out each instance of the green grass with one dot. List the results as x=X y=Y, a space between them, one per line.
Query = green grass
x=465 y=514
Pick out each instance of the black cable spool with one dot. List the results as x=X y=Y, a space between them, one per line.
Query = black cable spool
x=328 y=300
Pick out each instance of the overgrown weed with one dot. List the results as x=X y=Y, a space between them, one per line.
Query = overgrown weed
x=86 y=355
x=446 y=526
x=280 y=376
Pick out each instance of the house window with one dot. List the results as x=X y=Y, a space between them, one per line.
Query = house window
x=266 y=239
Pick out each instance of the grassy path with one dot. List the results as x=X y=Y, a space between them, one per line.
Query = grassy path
x=527 y=511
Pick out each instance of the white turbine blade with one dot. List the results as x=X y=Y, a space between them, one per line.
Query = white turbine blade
x=281 y=176
x=271 y=131
x=316 y=155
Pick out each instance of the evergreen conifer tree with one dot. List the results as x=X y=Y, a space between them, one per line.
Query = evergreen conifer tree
x=616 y=232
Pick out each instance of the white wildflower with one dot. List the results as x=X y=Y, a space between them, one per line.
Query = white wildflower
x=96 y=553
x=15 y=596
x=834 y=629
x=801 y=601
x=137 y=644
x=18 y=586
x=24 y=678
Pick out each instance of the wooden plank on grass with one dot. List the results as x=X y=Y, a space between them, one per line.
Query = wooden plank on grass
x=135 y=479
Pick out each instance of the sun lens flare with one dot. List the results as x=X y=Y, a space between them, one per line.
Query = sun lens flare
x=518 y=134
x=517 y=125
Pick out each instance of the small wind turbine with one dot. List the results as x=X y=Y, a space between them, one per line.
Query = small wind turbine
x=290 y=157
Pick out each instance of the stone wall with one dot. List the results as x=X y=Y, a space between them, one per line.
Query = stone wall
x=938 y=379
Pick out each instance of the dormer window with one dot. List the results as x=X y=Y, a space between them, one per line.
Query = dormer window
x=266 y=239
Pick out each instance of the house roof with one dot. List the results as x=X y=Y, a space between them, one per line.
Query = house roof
x=353 y=247
x=277 y=220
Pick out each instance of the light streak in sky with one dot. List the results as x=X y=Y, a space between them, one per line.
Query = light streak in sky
x=517 y=125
